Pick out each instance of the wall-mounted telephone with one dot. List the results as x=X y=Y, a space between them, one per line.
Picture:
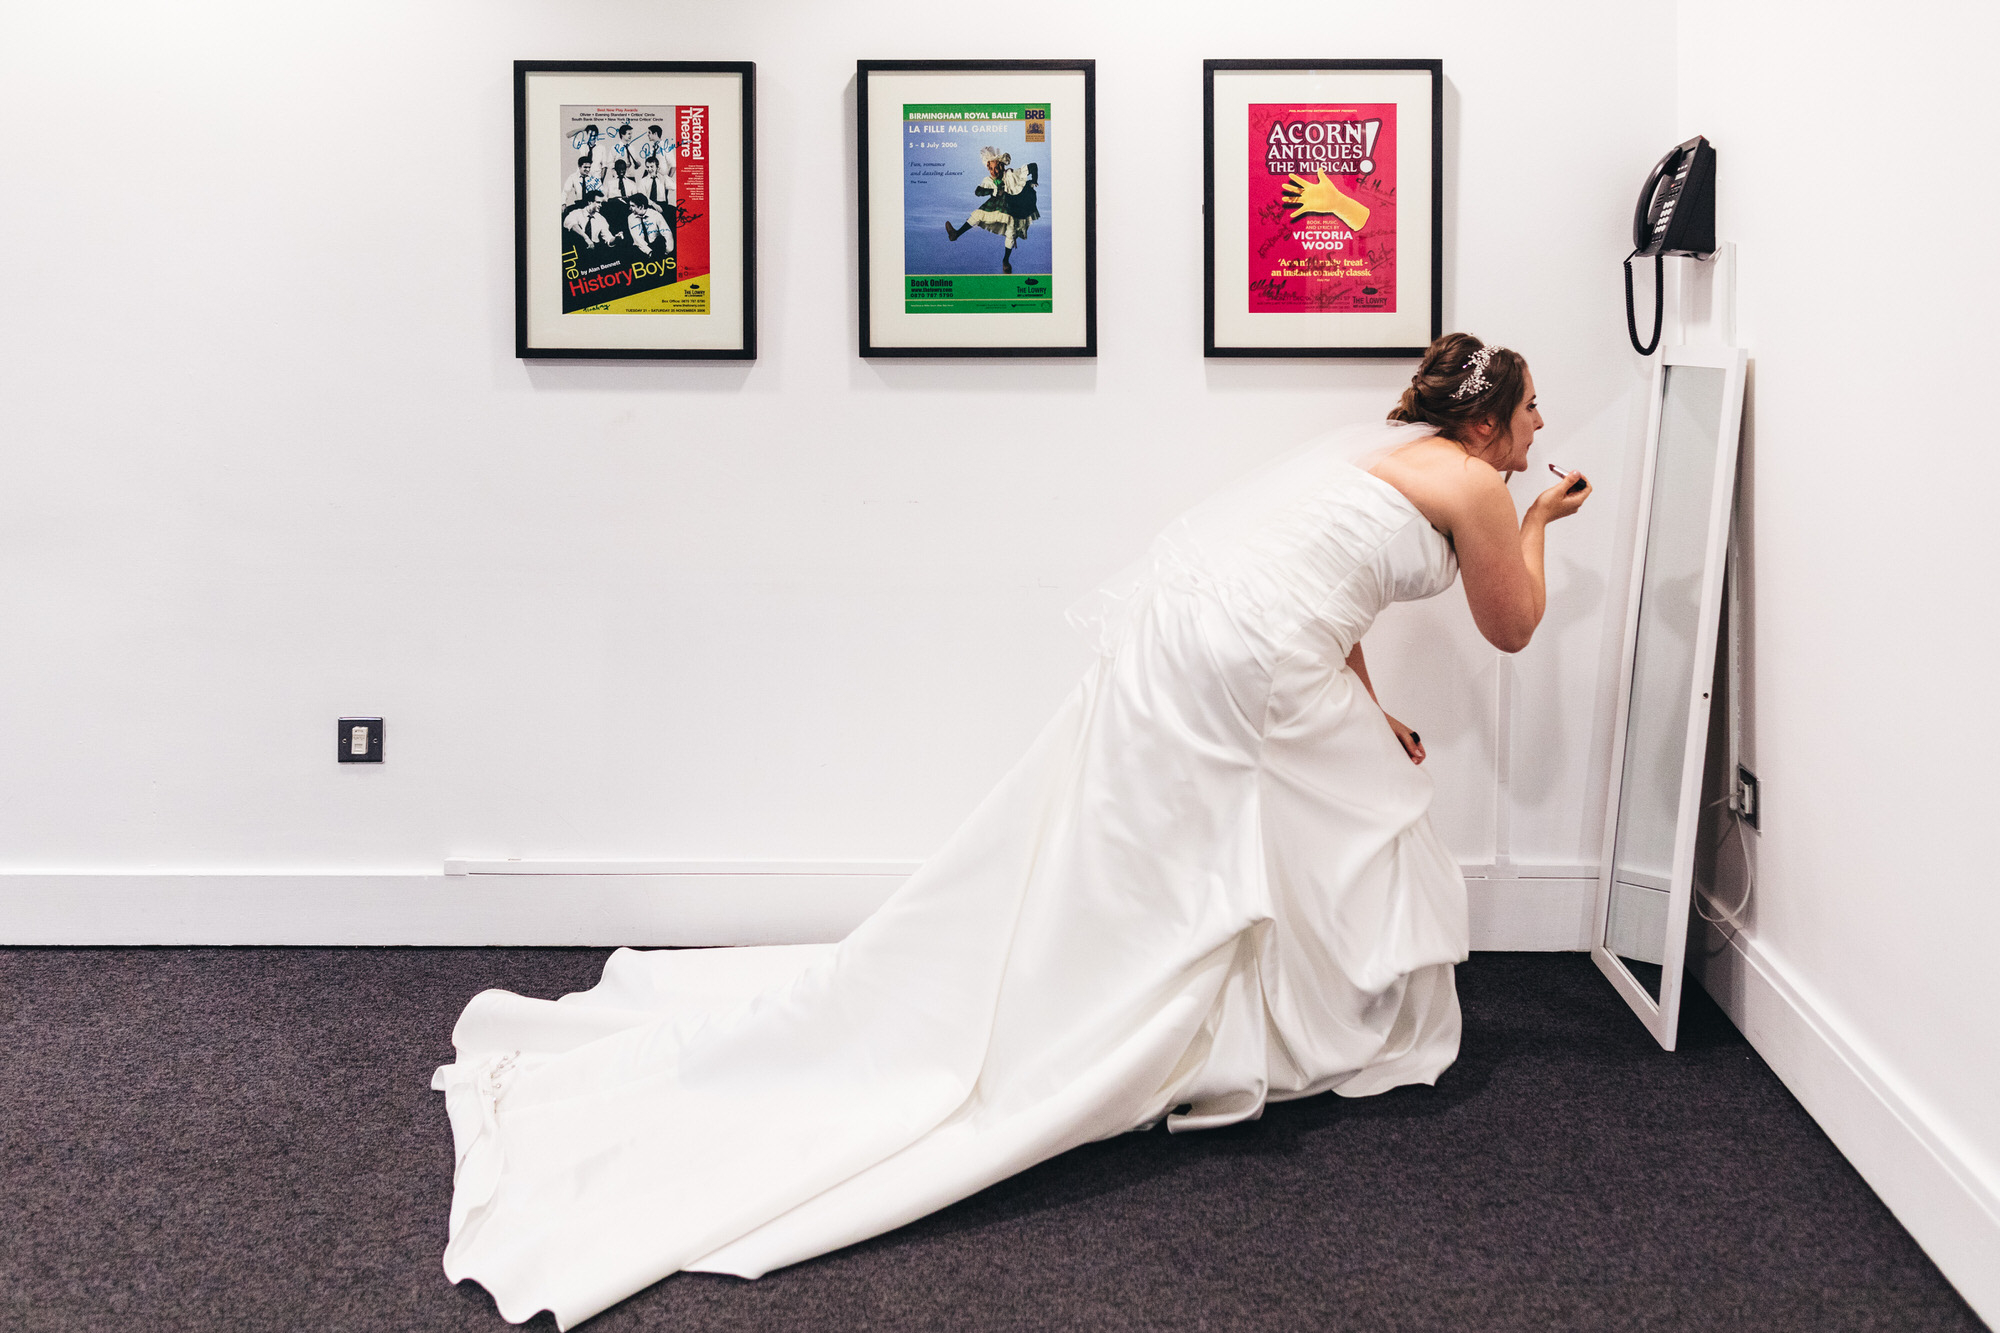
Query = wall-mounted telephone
x=1675 y=216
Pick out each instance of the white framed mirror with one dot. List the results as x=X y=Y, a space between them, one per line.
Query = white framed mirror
x=1687 y=492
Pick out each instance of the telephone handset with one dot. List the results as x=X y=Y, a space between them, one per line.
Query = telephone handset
x=1675 y=216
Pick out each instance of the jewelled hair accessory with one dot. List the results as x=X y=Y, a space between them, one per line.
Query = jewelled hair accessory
x=1476 y=382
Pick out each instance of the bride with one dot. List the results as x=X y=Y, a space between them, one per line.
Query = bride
x=1211 y=883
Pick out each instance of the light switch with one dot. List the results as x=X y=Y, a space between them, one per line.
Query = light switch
x=360 y=740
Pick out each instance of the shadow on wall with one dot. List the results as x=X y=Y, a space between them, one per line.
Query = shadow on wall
x=651 y=377
x=1583 y=592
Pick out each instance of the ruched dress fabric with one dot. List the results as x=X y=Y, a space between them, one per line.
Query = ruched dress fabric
x=1210 y=883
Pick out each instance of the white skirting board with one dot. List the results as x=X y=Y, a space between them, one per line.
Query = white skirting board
x=646 y=904
x=1933 y=1188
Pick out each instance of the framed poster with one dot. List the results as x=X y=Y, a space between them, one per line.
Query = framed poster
x=977 y=207
x=635 y=209
x=1323 y=201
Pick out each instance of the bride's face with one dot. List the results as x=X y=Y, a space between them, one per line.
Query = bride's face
x=1511 y=440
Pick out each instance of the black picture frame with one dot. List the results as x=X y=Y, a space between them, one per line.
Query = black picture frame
x=870 y=209
x=1434 y=214
x=529 y=311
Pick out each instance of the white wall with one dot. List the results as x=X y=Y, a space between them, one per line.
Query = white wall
x=268 y=458
x=1854 y=175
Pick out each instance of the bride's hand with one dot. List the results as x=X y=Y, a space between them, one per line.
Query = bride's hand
x=1558 y=502
x=1411 y=745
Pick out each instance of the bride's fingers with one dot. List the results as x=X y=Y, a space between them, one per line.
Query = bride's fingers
x=1412 y=746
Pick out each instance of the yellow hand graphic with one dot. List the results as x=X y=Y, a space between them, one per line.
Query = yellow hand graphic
x=1323 y=196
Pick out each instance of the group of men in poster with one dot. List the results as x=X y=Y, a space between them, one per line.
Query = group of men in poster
x=622 y=189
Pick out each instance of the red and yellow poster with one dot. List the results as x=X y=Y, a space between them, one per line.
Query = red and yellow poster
x=634 y=210
x=1322 y=208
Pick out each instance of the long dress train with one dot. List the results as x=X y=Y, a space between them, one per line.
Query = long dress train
x=1210 y=883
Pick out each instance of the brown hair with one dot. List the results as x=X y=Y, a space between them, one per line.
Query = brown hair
x=1436 y=394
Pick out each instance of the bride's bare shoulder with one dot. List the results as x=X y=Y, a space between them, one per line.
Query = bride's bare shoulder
x=1441 y=480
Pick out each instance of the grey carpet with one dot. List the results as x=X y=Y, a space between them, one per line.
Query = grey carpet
x=219 y=1139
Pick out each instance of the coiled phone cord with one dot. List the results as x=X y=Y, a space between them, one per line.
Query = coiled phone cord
x=1659 y=302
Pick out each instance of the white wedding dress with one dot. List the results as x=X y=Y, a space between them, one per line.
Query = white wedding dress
x=1210 y=883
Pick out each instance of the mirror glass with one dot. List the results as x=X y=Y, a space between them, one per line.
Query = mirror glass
x=1663 y=671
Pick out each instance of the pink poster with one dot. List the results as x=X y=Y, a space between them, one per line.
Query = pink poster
x=1322 y=208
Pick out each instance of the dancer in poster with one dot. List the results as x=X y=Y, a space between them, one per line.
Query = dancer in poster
x=1010 y=208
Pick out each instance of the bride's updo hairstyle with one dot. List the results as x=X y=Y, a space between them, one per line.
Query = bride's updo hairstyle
x=1461 y=383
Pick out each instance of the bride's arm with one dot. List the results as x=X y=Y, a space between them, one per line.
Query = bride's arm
x=1411 y=745
x=1500 y=556
x=1359 y=666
